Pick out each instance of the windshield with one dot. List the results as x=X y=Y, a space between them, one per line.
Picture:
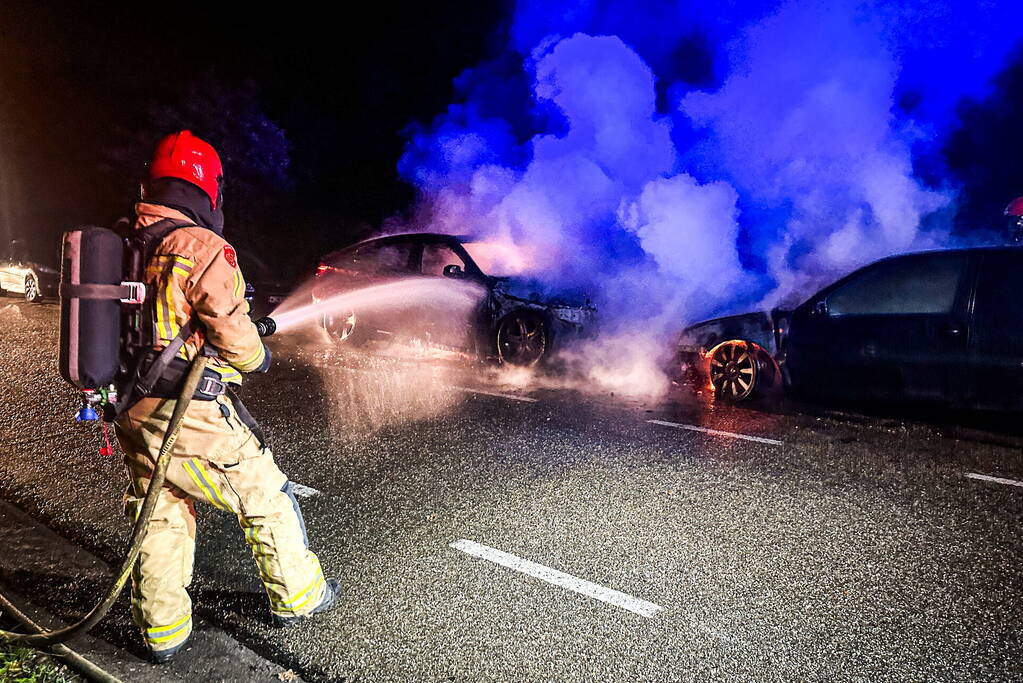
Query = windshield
x=500 y=258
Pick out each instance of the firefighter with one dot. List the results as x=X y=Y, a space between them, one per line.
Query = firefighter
x=220 y=457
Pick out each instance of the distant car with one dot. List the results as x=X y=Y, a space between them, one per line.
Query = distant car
x=510 y=321
x=945 y=326
x=29 y=279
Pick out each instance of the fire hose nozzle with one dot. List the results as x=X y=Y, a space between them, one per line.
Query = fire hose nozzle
x=266 y=326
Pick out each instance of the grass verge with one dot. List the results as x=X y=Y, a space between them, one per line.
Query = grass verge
x=24 y=665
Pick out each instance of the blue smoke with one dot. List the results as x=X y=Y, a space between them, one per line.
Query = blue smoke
x=682 y=159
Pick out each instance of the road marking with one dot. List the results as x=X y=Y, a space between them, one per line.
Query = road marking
x=304 y=491
x=997 y=480
x=497 y=394
x=716 y=432
x=572 y=583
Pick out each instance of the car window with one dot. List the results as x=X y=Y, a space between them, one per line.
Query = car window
x=999 y=308
x=436 y=257
x=379 y=258
x=915 y=285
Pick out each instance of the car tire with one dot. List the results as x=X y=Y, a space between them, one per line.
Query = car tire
x=522 y=339
x=738 y=371
x=33 y=294
x=344 y=328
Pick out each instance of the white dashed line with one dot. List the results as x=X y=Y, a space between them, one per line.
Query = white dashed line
x=498 y=395
x=996 y=480
x=304 y=491
x=716 y=432
x=572 y=583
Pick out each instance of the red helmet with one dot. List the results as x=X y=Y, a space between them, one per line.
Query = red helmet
x=1015 y=207
x=184 y=156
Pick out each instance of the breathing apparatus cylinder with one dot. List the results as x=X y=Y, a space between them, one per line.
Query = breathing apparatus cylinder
x=91 y=293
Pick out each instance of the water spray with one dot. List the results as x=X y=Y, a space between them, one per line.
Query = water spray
x=392 y=296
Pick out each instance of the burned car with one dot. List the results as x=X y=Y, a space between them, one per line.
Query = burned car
x=510 y=320
x=737 y=356
x=943 y=326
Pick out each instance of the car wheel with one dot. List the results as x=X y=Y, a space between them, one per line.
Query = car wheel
x=32 y=292
x=736 y=371
x=343 y=328
x=522 y=339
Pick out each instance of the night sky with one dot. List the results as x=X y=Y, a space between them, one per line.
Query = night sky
x=85 y=93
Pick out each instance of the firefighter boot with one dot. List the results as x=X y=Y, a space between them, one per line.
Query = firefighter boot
x=329 y=598
x=164 y=656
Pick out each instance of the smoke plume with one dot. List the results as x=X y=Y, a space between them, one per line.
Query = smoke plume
x=684 y=159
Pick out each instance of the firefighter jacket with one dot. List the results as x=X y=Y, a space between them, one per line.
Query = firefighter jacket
x=194 y=274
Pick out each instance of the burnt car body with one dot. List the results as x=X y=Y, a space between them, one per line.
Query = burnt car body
x=942 y=326
x=510 y=320
x=22 y=276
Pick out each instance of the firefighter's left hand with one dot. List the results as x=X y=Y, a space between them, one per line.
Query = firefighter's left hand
x=268 y=358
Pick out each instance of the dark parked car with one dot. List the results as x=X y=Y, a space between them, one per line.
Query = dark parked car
x=265 y=289
x=21 y=276
x=508 y=321
x=944 y=326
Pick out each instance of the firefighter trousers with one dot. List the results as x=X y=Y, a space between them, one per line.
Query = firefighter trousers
x=218 y=460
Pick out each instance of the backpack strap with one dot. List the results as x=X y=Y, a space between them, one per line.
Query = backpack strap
x=140 y=385
x=152 y=235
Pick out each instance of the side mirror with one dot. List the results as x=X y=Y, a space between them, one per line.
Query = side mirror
x=454 y=271
x=820 y=308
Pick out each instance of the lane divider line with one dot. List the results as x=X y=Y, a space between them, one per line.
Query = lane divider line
x=553 y=576
x=513 y=397
x=717 y=432
x=303 y=491
x=997 y=480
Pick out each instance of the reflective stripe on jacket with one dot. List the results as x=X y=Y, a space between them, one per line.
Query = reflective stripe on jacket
x=195 y=271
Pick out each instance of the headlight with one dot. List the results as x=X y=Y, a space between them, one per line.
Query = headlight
x=572 y=315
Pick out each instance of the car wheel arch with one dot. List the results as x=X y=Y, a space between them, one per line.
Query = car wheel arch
x=540 y=315
x=765 y=380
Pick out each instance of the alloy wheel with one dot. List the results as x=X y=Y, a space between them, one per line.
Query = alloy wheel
x=521 y=339
x=341 y=327
x=734 y=371
x=31 y=289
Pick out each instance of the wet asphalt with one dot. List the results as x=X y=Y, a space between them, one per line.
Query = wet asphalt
x=856 y=547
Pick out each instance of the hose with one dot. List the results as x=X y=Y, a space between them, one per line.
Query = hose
x=65 y=654
x=44 y=639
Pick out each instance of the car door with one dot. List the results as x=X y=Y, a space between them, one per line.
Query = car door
x=455 y=293
x=356 y=281
x=7 y=279
x=897 y=327
x=996 y=333
x=15 y=268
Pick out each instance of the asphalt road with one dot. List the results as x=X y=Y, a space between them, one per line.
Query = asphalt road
x=480 y=536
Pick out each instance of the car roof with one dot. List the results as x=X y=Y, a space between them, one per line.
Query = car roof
x=961 y=249
x=958 y=250
x=406 y=236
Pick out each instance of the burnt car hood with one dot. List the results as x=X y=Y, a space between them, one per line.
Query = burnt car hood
x=758 y=327
x=538 y=292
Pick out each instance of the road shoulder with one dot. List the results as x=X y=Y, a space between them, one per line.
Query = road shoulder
x=38 y=563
